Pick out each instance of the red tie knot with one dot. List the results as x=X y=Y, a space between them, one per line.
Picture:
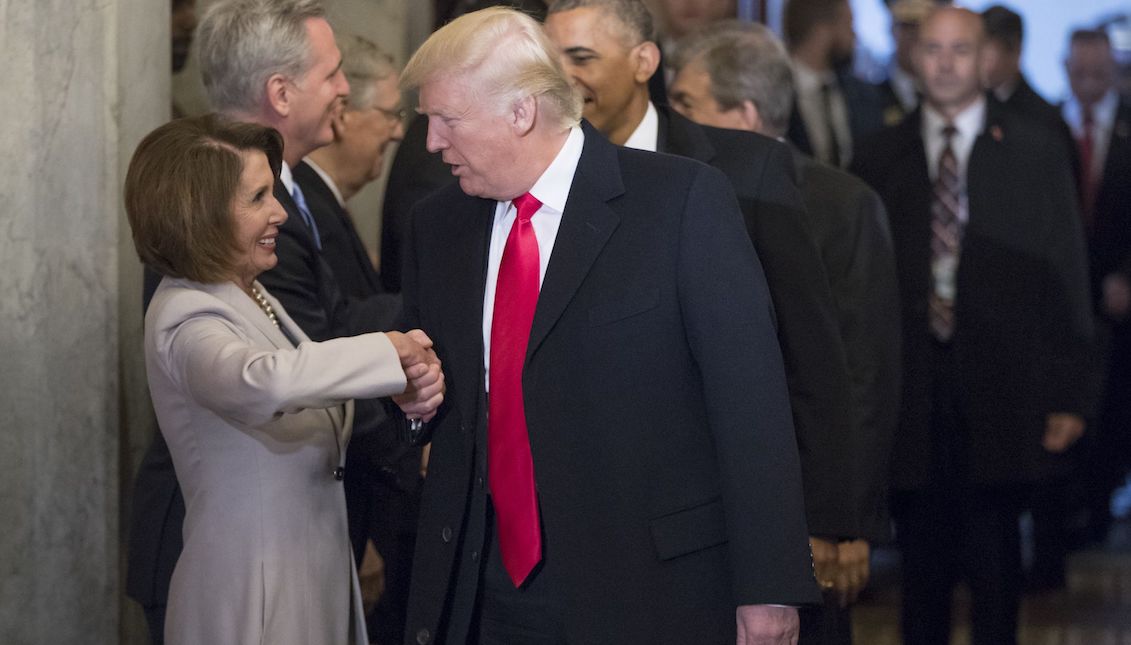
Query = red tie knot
x=527 y=205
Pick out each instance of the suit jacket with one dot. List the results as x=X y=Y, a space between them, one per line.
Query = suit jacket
x=850 y=225
x=415 y=174
x=1109 y=243
x=158 y=513
x=676 y=502
x=1023 y=324
x=1026 y=101
x=761 y=172
x=891 y=108
x=257 y=429
x=341 y=245
x=866 y=114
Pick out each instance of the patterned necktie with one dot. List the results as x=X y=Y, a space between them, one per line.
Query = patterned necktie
x=946 y=240
x=304 y=210
x=1087 y=182
x=510 y=467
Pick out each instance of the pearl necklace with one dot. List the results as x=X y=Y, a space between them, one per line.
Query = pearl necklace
x=261 y=300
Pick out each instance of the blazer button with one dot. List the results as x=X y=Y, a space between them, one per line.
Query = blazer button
x=446 y=534
x=423 y=637
x=339 y=473
x=475 y=556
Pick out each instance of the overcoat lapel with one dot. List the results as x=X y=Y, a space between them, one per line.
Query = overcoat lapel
x=467 y=263
x=587 y=224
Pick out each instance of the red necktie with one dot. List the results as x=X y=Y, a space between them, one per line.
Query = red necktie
x=510 y=468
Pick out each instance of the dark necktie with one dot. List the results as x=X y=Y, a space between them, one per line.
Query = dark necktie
x=510 y=468
x=946 y=240
x=830 y=126
x=304 y=210
x=1087 y=182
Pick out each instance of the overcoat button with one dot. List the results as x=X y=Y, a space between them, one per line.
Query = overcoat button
x=446 y=534
x=339 y=473
x=423 y=637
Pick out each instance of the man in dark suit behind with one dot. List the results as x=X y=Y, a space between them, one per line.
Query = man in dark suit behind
x=737 y=75
x=834 y=109
x=632 y=475
x=606 y=50
x=1001 y=74
x=996 y=330
x=382 y=478
x=1100 y=121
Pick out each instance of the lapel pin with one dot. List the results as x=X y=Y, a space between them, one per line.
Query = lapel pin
x=996 y=133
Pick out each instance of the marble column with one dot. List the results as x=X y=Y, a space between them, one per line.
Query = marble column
x=83 y=81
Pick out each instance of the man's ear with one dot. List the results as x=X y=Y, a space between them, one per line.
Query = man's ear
x=278 y=94
x=523 y=116
x=340 y=123
x=645 y=59
x=751 y=118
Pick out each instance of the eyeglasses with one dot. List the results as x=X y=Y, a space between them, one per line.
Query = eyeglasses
x=399 y=114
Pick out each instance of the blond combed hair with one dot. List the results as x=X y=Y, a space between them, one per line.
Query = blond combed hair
x=504 y=56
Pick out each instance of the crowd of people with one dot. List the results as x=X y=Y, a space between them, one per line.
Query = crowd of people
x=674 y=321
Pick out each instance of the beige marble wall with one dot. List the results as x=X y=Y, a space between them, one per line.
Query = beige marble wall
x=81 y=82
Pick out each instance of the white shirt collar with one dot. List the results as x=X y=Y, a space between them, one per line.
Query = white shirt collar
x=969 y=122
x=1103 y=113
x=552 y=188
x=809 y=80
x=288 y=178
x=327 y=180
x=647 y=133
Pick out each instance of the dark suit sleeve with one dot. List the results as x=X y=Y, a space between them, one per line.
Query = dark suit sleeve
x=1072 y=385
x=409 y=318
x=729 y=324
x=815 y=364
x=867 y=296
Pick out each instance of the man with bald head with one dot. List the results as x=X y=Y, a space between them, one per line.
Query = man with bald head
x=997 y=330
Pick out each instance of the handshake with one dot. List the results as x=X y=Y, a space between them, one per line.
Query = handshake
x=425 y=388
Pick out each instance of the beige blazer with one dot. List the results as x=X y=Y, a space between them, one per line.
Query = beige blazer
x=256 y=428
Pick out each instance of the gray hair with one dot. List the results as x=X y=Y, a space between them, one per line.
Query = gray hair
x=363 y=64
x=242 y=43
x=633 y=16
x=746 y=62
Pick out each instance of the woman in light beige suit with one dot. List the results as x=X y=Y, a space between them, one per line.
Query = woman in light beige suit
x=256 y=416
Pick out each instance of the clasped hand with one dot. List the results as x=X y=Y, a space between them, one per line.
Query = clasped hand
x=425 y=388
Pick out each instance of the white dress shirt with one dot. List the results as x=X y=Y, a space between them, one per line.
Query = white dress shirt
x=1103 y=120
x=552 y=189
x=647 y=132
x=287 y=177
x=969 y=124
x=811 y=105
